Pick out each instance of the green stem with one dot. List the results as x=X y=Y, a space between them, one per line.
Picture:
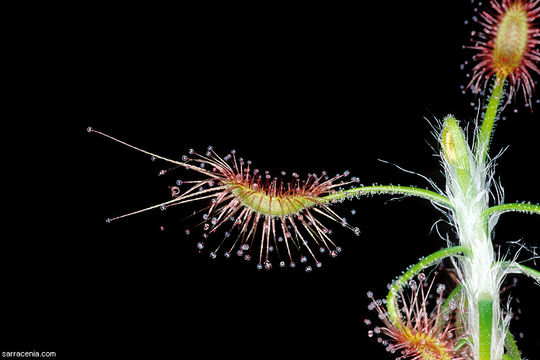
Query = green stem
x=391 y=302
x=524 y=208
x=484 y=137
x=512 y=351
x=485 y=322
x=446 y=309
x=522 y=269
x=389 y=189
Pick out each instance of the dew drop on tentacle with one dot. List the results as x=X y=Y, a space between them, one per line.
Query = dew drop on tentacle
x=441 y=288
x=234 y=196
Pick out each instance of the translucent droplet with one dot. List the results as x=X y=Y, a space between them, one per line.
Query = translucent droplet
x=421 y=276
x=179 y=182
x=370 y=333
x=213 y=255
x=89 y=129
x=200 y=245
x=308 y=269
x=441 y=288
x=303 y=259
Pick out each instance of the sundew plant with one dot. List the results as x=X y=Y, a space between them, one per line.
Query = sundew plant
x=285 y=221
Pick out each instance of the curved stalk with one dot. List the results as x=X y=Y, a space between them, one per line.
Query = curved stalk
x=512 y=207
x=391 y=303
x=389 y=190
x=522 y=269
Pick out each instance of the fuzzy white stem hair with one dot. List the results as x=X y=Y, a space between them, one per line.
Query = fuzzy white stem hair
x=479 y=272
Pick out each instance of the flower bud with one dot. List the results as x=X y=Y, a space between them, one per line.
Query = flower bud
x=454 y=147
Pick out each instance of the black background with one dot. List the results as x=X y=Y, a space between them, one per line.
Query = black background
x=300 y=89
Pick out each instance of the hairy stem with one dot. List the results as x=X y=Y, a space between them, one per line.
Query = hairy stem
x=391 y=190
x=484 y=137
x=516 y=207
x=522 y=269
x=512 y=351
